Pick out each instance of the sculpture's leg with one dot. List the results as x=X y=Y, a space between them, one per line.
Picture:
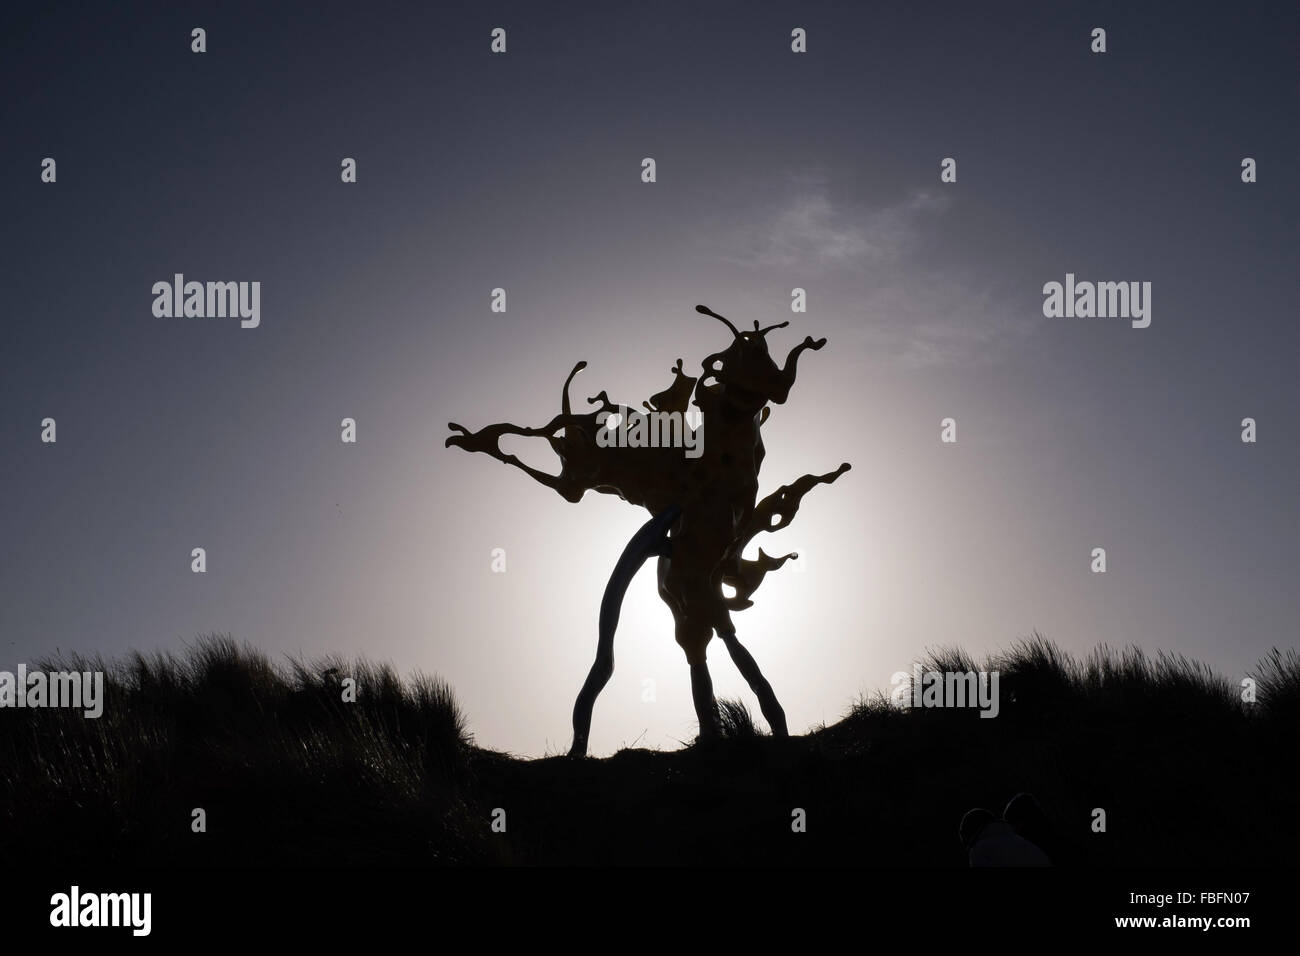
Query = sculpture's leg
x=650 y=540
x=748 y=668
x=706 y=706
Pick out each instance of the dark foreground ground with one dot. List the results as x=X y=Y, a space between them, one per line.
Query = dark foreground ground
x=287 y=773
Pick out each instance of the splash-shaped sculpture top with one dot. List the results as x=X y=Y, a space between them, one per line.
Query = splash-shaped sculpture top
x=707 y=499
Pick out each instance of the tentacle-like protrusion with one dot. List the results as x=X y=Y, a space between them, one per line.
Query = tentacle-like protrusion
x=676 y=397
x=488 y=441
x=782 y=390
x=564 y=396
x=705 y=310
x=783 y=504
x=750 y=576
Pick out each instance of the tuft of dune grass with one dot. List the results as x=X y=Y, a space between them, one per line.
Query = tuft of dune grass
x=268 y=751
x=735 y=722
x=1277 y=678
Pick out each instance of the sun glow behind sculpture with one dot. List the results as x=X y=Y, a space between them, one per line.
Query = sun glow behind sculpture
x=699 y=485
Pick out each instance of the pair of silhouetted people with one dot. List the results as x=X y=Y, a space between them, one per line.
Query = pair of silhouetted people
x=1022 y=836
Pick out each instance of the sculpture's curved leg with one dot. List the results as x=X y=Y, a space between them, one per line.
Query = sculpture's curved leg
x=706 y=705
x=748 y=668
x=650 y=540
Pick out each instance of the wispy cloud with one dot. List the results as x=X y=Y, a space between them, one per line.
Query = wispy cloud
x=809 y=232
x=908 y=309
x=925 y=319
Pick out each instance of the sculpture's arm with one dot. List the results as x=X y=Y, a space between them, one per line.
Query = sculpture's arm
x=786 y=380
x=783 y=503
x=750 y=575
x=487 y=440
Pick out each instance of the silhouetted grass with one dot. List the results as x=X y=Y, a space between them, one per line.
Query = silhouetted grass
x=288 y=771
x=1278 y=682
x=1184 y=768
x=280 y=763
x=735 y=721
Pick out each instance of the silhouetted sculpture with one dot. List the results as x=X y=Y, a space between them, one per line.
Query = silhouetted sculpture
x=704 y=507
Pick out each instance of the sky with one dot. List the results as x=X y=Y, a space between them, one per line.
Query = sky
x=775 y=170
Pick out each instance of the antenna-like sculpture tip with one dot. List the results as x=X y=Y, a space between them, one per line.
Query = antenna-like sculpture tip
x=705 y=310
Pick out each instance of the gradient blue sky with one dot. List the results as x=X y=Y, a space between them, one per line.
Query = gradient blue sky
x=775 y=170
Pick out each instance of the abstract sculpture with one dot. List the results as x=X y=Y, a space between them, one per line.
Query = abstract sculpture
x=704 y=507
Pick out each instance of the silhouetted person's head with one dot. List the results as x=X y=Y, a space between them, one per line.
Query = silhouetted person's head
x=1024 y=808
x=1027 y=818
x=972 y=823
x=1026 y=815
